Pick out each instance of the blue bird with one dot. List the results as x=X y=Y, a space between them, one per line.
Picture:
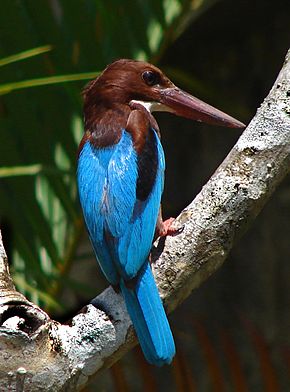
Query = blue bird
x=120 y=180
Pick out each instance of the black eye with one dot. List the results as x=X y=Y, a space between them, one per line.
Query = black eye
x=151 y=78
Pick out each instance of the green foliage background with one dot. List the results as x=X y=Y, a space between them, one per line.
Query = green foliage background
x=41 y=127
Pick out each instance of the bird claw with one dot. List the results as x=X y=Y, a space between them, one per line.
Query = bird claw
x=168 y=229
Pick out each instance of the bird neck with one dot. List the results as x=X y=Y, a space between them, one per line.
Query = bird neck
x=104 y=122
x=105 y=119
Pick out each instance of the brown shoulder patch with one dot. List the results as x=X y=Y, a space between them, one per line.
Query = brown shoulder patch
x=138 y=125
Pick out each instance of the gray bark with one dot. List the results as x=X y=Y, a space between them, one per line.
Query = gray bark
x=39 y=354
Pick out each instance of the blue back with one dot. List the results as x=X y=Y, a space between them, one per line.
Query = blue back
x=121 y=228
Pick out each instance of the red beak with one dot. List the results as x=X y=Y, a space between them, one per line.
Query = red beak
x=183 y=104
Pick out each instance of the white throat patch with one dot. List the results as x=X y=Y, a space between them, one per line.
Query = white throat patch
x=153 y=106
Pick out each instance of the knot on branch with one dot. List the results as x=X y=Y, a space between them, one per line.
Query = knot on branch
x=21 y=317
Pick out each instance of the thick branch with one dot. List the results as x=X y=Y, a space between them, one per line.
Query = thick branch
x=54 y=357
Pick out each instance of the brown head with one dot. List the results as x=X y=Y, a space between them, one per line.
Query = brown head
x=127 y=82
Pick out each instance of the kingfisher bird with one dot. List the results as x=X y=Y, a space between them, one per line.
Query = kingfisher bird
x=120 y=181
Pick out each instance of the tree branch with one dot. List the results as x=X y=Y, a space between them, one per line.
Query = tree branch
x=39 y=354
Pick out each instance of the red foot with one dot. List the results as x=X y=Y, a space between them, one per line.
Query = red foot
x=166 y=228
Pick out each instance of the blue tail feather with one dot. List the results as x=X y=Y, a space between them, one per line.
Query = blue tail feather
x=149 y=319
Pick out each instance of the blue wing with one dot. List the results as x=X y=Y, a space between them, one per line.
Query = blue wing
x=121 y=227
x=121 y=221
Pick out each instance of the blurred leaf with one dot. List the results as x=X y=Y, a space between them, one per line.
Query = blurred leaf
x=9 y=87
x=30 y=170
x=25 y=55
x=146 y=371
x=268 y=371
x=119 y=378
x=183 y=376
x=37 y=295
x=234 y=363
x=211 y=358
